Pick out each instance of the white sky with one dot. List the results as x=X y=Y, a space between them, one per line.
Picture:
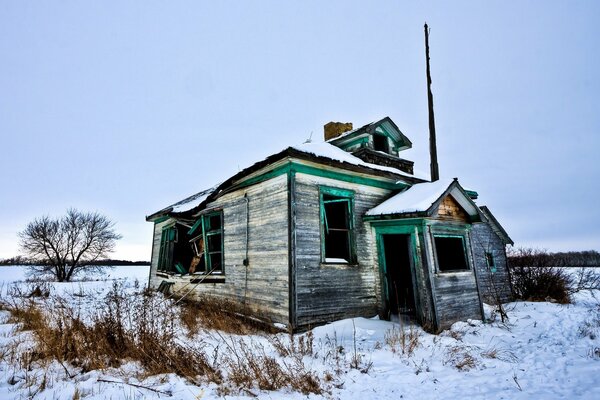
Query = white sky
x=125 y=107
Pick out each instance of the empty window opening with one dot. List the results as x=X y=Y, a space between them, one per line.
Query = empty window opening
x=174 y=255
x=337 y=228
x=450 y=252
x=380 y=143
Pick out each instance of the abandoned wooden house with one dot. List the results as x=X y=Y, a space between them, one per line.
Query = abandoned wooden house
x=335 y=229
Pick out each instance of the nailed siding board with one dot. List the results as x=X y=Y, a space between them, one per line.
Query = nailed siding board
x=449 y=209
x=455 y=294
x=491 y=284
x=265 y=287
x=328 y=292
x=456 y=298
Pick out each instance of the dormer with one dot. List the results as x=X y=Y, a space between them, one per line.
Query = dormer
x=377 y=143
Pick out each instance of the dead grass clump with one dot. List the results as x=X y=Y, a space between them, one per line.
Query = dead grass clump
x=461 y=358
x=499 y=354
x=126 y=327
x=226 y=316
x=249 y=366
x=26 y=314
x=294 y=345
x=402 y=341
x=188 y=315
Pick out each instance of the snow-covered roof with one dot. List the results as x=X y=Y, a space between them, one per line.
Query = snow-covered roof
x=328 y=150
x=188 y=203
x=417 y=198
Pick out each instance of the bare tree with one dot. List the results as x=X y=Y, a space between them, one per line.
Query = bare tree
x=65 y=246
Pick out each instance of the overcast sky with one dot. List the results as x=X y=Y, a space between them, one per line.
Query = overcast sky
x=125 y=107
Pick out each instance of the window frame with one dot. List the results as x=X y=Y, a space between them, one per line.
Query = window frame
x=167 y=244
x=464 y=248
x=203 y=222
x=342 y=195
x=490 y=261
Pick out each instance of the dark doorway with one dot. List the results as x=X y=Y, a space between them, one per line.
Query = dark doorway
x=399 y=292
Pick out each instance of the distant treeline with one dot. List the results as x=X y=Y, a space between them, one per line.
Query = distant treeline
x=588 y=258
x=20 y=260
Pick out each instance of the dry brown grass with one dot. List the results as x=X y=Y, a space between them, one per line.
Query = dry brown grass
x=136 y=328
x=143 y=327
x=226 y=316
x=249 y=366
x=402 y=341
x=461 y=358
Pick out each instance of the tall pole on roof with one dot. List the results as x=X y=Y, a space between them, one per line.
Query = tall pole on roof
x=435 y=173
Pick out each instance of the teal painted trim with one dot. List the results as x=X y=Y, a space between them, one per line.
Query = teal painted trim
x=392 y=223
x=383 y=271
x=282 y=169
x=345 y=196
x=336 y=191
x=195 y=226
x=448 y=236
x=310 y=170
x=472 y=194
x=354 y=142
x=348 y=177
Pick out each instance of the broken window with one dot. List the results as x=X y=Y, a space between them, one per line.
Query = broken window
x=491 y=263
x=207 y=244
x=380 y=143
x=337 y=225
x=450 y=251
x=175 y=254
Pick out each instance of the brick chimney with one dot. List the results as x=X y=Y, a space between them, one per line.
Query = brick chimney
x=335 y=129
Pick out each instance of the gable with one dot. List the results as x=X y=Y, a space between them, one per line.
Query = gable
x=450 y=209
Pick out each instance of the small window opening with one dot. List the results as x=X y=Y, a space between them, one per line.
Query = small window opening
x=450 y=253
x=337 y=229
x=491 y=263
x=380 y=143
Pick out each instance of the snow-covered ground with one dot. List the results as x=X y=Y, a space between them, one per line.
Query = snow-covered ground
x=544 y=351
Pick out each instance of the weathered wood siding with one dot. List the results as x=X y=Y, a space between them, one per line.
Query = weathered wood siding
x=455 y=293
x=263 y=284
x=156 y=236
x=493 y=286
x=327 y=292
x=449 y=209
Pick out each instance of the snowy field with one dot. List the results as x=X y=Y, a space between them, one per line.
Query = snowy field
x=544 y=351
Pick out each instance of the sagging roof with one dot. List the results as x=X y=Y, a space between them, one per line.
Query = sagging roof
x=320 y=152
x=423 y=199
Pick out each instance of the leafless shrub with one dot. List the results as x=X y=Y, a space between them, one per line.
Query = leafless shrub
x=585 y=279
x=591 y=326
x=402 y=341
x=538 y=276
